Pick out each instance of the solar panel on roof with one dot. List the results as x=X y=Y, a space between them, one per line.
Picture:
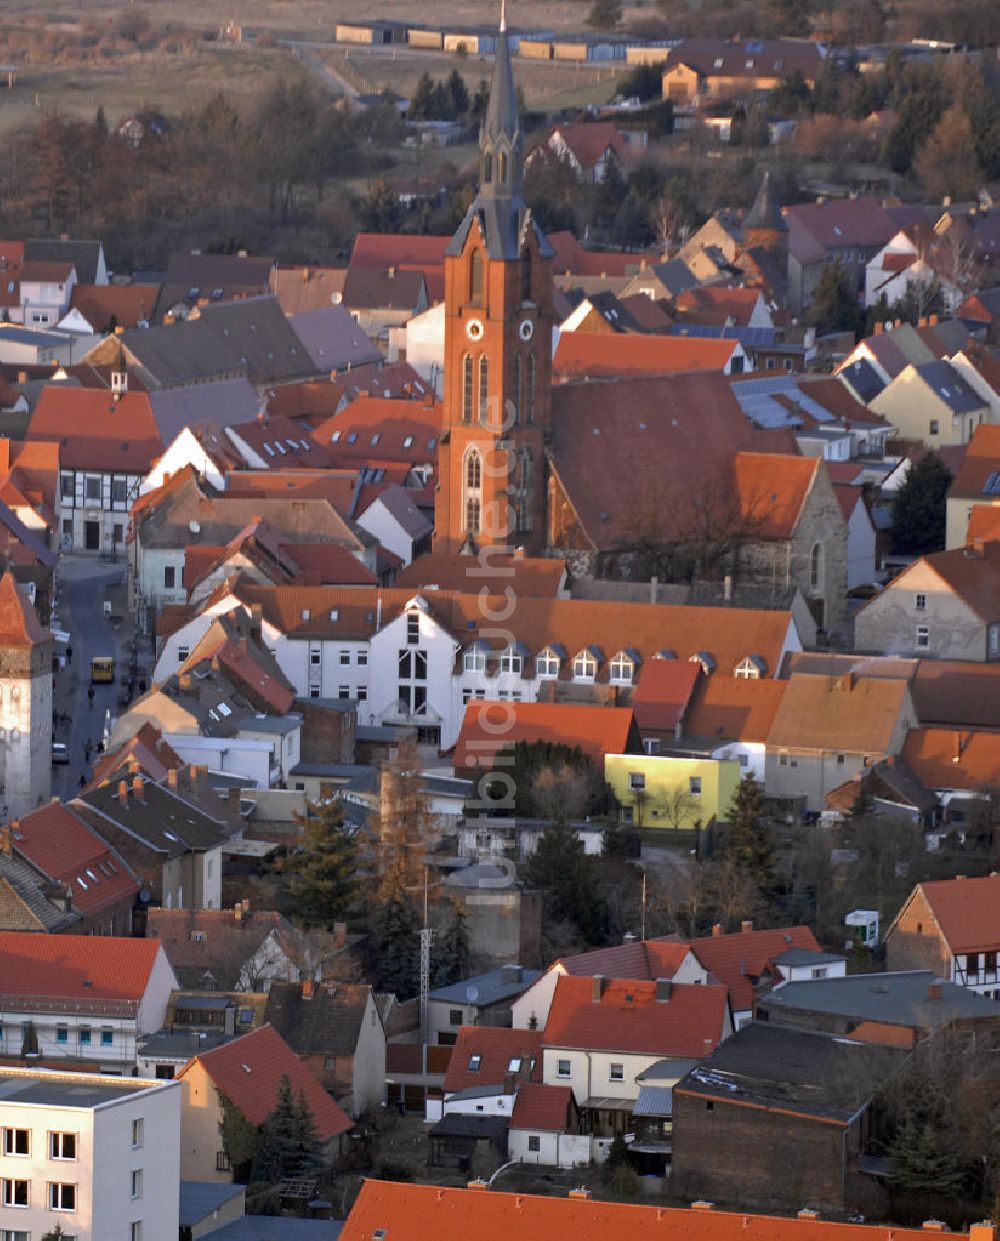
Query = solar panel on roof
x=992 y=485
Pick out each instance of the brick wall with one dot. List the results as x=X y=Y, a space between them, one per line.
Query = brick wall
x=327 y=732
x=915 y=942
x=738 y=1155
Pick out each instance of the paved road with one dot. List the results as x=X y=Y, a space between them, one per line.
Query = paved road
x=84 y=584
x=335 y=82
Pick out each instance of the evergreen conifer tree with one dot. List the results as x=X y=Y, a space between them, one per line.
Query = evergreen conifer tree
x=325 y=884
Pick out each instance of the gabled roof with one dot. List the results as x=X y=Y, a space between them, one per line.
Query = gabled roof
x=648 y=959
x=856 y=714
x=772 y=491
x=495 y=1048
x=597 y=731
x=97 y=432
x=967 y=911
x=590 y=355
x=947 y=758
x=972 y=574
x=75 y=968
x=426 y=1211
x=223 y=402
x=629 y=1018
x=373 y=429
x=144 y=751
x=63 y=848
x=29 y=902
x=84 y=255
x=401 y=506
x=945 y=382
x=325 y=1023
x=716 y=304
x=814 y=229
x=526 y=575
x=541 y=1107
x=737 y=960
x=407 y=249
x=106 y=306
x=156 y=818
x=506 y=982
x=957 y=693
x=663 y=696
x=19 y=623
x=389 y=288
x=214 y=941
x=333 y=338
x=982 y=459
x=734 y=708
x=749 y=58
x=588 y=141
x=249 y=1071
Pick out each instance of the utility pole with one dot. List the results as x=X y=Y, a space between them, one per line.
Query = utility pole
x=426 y=935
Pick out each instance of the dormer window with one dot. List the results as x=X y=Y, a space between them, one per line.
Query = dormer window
x=547 y=664
x=622 y=669
x=475 y=659
x=585 y=666
x=706 y=660
x=511 y=661
x=750 y=669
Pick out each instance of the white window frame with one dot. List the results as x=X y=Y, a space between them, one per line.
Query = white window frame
x=56 y=1195
x=622 y=669
x=475 y=659
x=547 y=665
x=9 y=1140
x=8 y=1192
x=584 y=667
x=511 y=661
x=57 y=1143
x=923 y=637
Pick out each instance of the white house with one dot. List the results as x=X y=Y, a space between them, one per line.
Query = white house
x=44 y=290
x=62 y=1000
x=905 y=262
x=394 y=519
x=424 y=337
x=861 y=556
x=99 y=1157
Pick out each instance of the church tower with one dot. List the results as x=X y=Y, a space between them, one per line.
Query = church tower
x=498 y=349
x=764 y=227
x=25 y=703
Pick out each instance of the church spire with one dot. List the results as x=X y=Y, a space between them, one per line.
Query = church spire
x=501 y=142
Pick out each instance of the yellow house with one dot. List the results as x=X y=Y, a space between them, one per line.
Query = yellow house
x=663 y=791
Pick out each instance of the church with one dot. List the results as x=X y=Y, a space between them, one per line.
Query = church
x=601 y=472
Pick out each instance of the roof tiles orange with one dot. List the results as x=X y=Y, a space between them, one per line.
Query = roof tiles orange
x=249 y=1070
x=588 y=354
x=628 y=1017
x=490 y=726
x=967 y=911
x=541 y=1107
x=495 y=1048
x=735 y=708
x=75 y=967
x=735 y=960
x=417 y=1212
x=772 y=491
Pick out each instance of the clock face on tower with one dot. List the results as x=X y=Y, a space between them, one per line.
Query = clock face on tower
x=526 y=330
x=474 y=329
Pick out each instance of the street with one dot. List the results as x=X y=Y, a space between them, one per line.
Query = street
x=84 y=584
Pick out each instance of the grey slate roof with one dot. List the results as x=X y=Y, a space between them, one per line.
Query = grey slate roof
x=84 y=255
x=400 y=504
x=200 y=1198
x=766 y=210
x=942 y=378
x=160 y=820
x=802 y=956
x=26 y=902
x=491 y=987
x=900 y=999
x=327 y=1024
x=226 y=402
x=863 y=380
x=333 y=339
x=250 y=337
x=811 y=1074
x=654 y=1101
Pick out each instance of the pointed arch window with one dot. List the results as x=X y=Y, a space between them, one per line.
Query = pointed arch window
x=484 y=385
x=516 y=382
x=467 y=387
x=473 y=491
x=487 y=167
x=476 y=278
x=525 y=277
x=504 y=167
x=521 y=491
x=529 y=399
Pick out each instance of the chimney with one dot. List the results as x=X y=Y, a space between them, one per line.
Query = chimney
x=339 y=933
x=137 y=787
x=933 y=320
x=519 y=552
x=508 y=1083
x=512 y=973
x=123 y=792
x=172 y=778
x=256 y=620
x=848 y=681
x=654 y=588
x=663 y=989
x=727 y=588
x=808 y=1213
x=984 y=1231
x=305 y=275
x=746 y=926
x=229 y=1019
x=238 y=913
x=5 y=844
x=22 y=377
x=716 y=929
x=879 y=327
x=68 y=900
x=477 y=1185
x=597 y=988
x=580 y=1192
x=184 y=682
x=702 y=1205
x=308 y=988
x=934 y=991
x=934 y=1225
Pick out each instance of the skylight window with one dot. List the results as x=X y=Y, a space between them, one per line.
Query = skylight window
x=408 y=442
x=225 y=709
x=269 y=450
x=352 y=437
x=81 y=883
x=335 y=437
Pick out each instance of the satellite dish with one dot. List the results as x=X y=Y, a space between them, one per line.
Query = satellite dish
x=194 y=527
x=471 y=993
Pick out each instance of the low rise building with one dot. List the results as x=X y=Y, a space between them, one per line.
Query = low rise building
x=952 y=927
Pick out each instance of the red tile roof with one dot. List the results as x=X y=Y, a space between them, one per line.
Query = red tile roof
x=772 y=491
x=651 y=958
x=588 y=141
x=717 y=304
x=570 y=256
x=105 y=306
x=735 y=960
x=96 y=432
x=984 y=524
x=489 y=726
x=144 y=751
x=967 y=911
x=374 y=429
x=663 y=694
x=982 y=458
x=596 y=355
x=313 y=399
x=68 y=852
x=496 y=1047
x=249 y=1070
x=541 y=1107
x=629 y=1018
x=408 y=1212
x=19 y=623
x=526 y=575
x=734 y=708
x=75 y=967
x=948 y=758
x=386 y=249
